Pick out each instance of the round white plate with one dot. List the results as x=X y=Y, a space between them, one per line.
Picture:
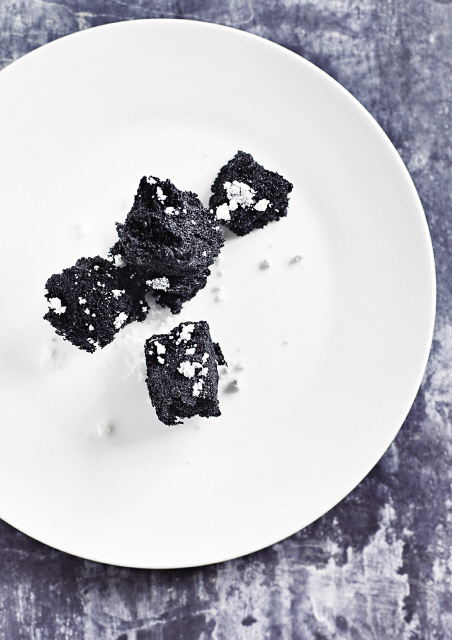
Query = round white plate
x=328 y=351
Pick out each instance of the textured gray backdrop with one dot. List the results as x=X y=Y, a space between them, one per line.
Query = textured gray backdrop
x=379 y=565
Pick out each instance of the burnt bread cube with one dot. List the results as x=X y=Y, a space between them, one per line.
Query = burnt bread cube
x=247 y=196
x=182 y=374
x=168 y=231
x=91 y=301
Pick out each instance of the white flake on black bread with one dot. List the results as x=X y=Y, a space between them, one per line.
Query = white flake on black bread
x=170 y=239
x=246 y=196
x=98 y=299
x=182 y=373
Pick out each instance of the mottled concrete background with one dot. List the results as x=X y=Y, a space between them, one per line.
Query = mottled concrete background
x=380 y=564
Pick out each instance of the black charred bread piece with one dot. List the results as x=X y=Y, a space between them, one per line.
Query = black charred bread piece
x=168 y=231
x=182 y=374
x=91 y=301
x=247 y=196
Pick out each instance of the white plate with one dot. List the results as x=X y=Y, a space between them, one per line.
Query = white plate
x=82 y=120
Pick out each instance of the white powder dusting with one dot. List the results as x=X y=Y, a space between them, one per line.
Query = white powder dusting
x=186 y=332
x=190 y=352
x=151 y=180
x=222 y=212
x=56 y=306
x=205 y=357
x=159 y=283
x=87 y=311
x=187 y=369
x=239 y=193
x=91 y=328
x=120 y=319
x=262 y=205
x=170 y=210
x=161 y=360
x=118 y=292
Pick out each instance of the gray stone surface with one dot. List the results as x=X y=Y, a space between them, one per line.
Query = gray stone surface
x=379 y=565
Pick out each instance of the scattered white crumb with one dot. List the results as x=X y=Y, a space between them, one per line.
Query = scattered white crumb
x=160 y=195
x=190 y=352
x=265 y=264
x=104 y=429
x=120 y=319
x=160 y=347
x=91 y=328
x=55 y=305
x=187 y=369
x=204 y=253
x=197 y=387
x=159 y=283
x=151 y=180
x=170 y=210
x=262 y=205
x=204 y=371
x=118 y=292
x=205 y=357
x=119 y=262
x=161 y=360
x=96 y=267
x=233 y=385
x=87 y=311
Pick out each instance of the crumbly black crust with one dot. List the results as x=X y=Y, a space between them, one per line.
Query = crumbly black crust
x=107 y=290
x=267 y=185
x=168 y=231
x=172 y=393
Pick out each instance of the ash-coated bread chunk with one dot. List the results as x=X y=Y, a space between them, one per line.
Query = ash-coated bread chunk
x=168 y=231
x=247 y=196
x=91 y=301
x=182 y=374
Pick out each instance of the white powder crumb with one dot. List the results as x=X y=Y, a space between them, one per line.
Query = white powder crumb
x=91 y=328
x=160 y=195
x=87 y=311
x=96 y=267
x=187 y=369
x=262 y=205
x=159 y=283
x=197 y=387
x=190 y=352
x=297 y=258
x=93 y=315
x=119 y=262
x=56 y=306
x=193 y=221
x=204 y=253
x=118 y=292
x=204 y=371
x=120 y=319
x=169 y=210
x=160 y=347
x=186 y=332
x=161 y=360
x=104 y=429
x=265 y=264
x=151 y=180
x=205 y=357
x=223 y=212
x=238 y=194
